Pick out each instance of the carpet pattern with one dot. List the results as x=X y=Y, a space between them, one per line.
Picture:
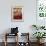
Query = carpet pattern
x=13 y=44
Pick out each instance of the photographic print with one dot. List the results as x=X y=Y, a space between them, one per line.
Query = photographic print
x=17 y=13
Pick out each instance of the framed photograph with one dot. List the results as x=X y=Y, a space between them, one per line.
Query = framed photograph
x=17 y=13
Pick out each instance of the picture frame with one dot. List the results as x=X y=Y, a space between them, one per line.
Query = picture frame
x=17 y=14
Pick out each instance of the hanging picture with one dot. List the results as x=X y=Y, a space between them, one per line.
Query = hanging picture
x=17 y=13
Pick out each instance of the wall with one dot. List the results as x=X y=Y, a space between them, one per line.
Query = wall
x=29 y=9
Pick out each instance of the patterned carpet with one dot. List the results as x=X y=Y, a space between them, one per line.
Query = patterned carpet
x=13 y=44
